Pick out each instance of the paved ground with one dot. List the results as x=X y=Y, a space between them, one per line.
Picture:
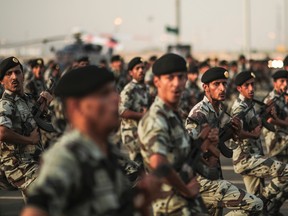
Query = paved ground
x=11 y=202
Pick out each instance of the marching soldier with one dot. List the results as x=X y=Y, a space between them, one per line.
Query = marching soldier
x=80 y=175
x=216 y=192
x=133 y=105
x=248 y=159
x=164 y=140
x=277 y=142
x=20 y=148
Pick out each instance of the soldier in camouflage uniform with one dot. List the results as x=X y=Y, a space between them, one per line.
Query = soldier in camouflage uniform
x=248 y=156
x=218 y=193
x=133 y=105
x=163 y=138
x=19 y=138
x=277 y=142
x=35 y=84
x=80 y=175
x=191 y=95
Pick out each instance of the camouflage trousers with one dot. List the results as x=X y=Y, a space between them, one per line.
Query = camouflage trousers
x=276 y=191
x=170 y=203
x=277 y=145
x=223 y=194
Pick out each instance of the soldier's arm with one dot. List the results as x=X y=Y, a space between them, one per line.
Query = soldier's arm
x=173 y=179
x=9 y=136
x=244 y=134
x=126 y=105
x=129 y=114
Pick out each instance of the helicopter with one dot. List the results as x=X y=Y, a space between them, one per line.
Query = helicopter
x=82 y=44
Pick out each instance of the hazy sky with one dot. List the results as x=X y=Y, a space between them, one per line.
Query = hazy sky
x=207 y=24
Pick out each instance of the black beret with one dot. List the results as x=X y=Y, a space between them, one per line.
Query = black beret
x=82 y=81
x=193 y=70
x=243 y=77
x=280 y=74
x=8 y=63
x=169 y=63
x=36 y=62
x=134 y=62
x=115 y=58
x=83 y=58
x=214 y=73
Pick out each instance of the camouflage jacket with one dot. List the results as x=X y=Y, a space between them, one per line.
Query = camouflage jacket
x=161 y=132
x=203 y=112
x=246 y=148
x=76 y=178
x=134 y=97
x=281 y=108
x=15 y=114
x=34 y=87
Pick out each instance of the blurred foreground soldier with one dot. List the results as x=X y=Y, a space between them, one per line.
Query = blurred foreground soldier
x=133 y=105
x=80 y=174
x=163 y=139
x=277 y=142
x=216 y=192
x=35 y=84
x=20 y=148
x=191 y=95
x=248 y=158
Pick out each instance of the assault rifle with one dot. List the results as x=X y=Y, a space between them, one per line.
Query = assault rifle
x=265 y=112
x=38 y=113
x=227 y=132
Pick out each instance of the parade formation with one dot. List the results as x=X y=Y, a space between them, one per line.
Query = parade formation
x=143 y=138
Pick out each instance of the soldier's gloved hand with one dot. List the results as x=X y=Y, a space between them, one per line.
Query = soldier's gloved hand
x=47 y=96
x=193 y=187
x=34 y=136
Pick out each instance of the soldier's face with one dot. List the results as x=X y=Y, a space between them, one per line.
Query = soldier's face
x=116 y=65
x=247 y=89
x=138 y=73
x=193 y=77
x=216 y=90
x=280 y=85
x=13 y=80
x=100 y=109
x=170 y=87
x=37 y=71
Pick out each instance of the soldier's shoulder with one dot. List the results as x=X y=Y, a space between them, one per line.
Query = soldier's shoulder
x=201 y=107
x=7 y=101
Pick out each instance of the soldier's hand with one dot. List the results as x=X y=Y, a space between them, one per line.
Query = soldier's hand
x=204 y=131
x=257 y=131
x=193 y=187
x=274 y=113
x=150 y=189
x=213 y=136
x=236 y=124
x=47 y=96
x=34 y=136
